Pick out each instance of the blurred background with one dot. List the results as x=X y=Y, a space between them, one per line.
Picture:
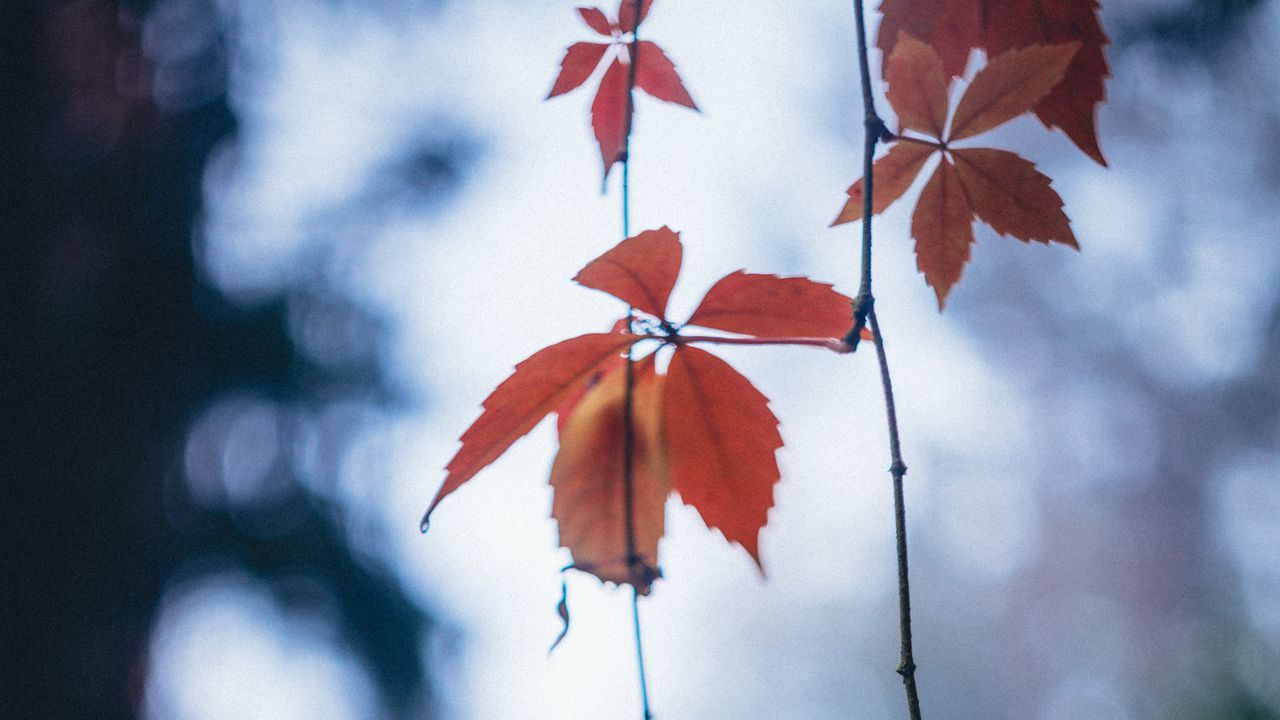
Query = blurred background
x=264 y=259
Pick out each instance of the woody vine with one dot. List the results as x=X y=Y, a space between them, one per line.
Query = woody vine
x=630 y=434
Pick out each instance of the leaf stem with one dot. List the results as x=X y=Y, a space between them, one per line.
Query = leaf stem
x=833 y=344
x=864 y=311
x=635 y=563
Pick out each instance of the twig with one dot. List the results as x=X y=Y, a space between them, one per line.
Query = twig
x=864 y=311
x=833 y=344
x=635 y=564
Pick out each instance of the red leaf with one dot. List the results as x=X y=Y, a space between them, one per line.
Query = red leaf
x=951 y=27
x=1072 y=104
x=609 y=115
x=640 y=270
x=722 y=437
x=596 y=20
x=893 y=174
x=917 y=86
x=1010 y=195
x=588 y=480
x=771 y=306
x=627 y=21
x=580 y=60
x=537 y=386
x=656 y=75
x=943 y=228
x=1009 y=85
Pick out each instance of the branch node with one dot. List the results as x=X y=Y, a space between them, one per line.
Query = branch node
x=863 y=304
x=898 y=469
x=907 y=669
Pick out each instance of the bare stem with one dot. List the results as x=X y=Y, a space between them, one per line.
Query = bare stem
x=635 y=563
x=833 y=344
x=864 y=311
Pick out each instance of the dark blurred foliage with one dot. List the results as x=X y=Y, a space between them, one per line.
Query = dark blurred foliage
x=113 y=346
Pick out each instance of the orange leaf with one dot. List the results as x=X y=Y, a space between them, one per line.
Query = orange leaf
x=1009 y=85
x=893 y=175
x=609 y=118
x=951 y=27
x=537 y=386
x=1072 y=104
x=722 y=438
x=656 y=75
x=771 y=306
x=587 y=477
x=917 y=86
x=943 y=228
x=580 y=60
x=1010 y=195
x=640 y=270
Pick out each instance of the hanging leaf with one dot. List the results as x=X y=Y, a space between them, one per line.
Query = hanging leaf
x=701 y=429
x=953 y=27
x=1004 y=190
x=588 y=479
x=612 y=107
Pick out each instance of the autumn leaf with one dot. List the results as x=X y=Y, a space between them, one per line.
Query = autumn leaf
x=538 y=385
x=893 y=174
x=611 y=108
x=943 y=228
x=587 y=478
x=1008 y=86
x=701 y=429
x=954 y=27
x=722 y=438
x=771 y=306
x=1010 y=195
x=640 y=271
x=951 y=27
x=917 y=87
x=1002 y=189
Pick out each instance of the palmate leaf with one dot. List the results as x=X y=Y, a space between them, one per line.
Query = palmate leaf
x=1002 y=189
x=954 y=27
x=612 y=107
x=701 y=429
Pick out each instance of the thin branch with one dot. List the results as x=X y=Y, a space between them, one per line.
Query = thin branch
x=897 y=468
x=635 y=563
x=864 y=311
x=832 y=344
x=874 y=129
